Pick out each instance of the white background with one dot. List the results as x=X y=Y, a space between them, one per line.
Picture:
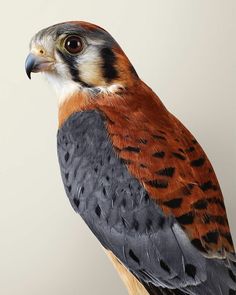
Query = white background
x=185 y=50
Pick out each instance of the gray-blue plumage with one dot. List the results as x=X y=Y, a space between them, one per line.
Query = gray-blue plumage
x=126 y=221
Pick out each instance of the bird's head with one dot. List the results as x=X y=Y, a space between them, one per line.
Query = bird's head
x=79 y=56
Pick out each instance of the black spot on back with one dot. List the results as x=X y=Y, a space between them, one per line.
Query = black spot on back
x=132 y=149
x=125 y=161
x=228 y=237
x=186 y=218
x=169 y=171
x=133 y=256
x=155 y=136
x=77 y=202
x=187 y=189
x=211 y=237
x=174 y=203
x=207 y=185
x=159 y=154
x=143 y=141
x=198 y=244
x=158 y=183
x=200 y=204
x=98 y=210
x=190 y=149
x=161 y=221
x=67 y=155
x=164 y=266
x=178 y=156
x=232 y=275
x=190 y=270
x=198 y=162
x=148 y=224
x=135 y=224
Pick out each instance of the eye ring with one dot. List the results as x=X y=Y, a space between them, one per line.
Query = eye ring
x=73 y=44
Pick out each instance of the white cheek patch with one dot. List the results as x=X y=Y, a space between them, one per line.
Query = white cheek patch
x=61 y=81
x=89 y=65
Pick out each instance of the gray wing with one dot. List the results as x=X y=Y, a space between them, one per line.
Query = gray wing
x=124 y=218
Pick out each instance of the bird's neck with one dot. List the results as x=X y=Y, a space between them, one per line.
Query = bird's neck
x=115 y=100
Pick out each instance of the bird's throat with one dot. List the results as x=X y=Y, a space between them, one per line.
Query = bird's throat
x=75 y=103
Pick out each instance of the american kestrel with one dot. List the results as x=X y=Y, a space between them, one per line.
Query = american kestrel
x=135 y=174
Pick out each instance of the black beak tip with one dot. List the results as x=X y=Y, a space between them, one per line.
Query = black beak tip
x=29 y=64
x=29 y=75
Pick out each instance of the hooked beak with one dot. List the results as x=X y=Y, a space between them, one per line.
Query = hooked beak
x=35 y=63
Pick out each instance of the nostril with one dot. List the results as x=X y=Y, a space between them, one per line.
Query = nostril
x=41 y=51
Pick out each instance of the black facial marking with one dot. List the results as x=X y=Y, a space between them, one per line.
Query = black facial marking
x=200 y=204
x=211 y=237
x=164 y=266
x=198 y=162
x=186 y=218
x=133 y=256
x=190 y=270
x=159 y=154
x=169 y=171
x=174 y=203
x=179 y=156
x=232 y=292
x=70 y=60
x=109 y=59
x=132 y=149
x=158 y=183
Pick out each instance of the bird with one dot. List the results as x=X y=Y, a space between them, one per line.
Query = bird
x=136 y=175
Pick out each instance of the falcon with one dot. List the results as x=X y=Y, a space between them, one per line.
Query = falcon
x=138 y=178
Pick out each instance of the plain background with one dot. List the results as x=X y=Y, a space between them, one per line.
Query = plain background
x=184 y=49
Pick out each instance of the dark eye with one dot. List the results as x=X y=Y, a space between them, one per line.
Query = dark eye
x=73 y=44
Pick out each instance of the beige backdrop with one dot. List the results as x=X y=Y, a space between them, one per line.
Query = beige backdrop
x=184 y=49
